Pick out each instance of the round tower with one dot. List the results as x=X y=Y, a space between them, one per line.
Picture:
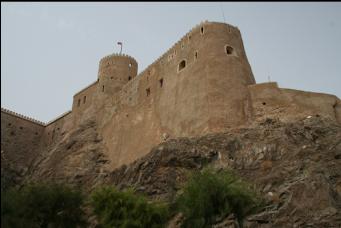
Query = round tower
x=115 y=71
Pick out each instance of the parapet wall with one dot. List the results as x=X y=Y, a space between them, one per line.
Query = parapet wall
x=268 y=100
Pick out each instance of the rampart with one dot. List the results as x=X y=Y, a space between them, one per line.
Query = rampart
x=202 y=84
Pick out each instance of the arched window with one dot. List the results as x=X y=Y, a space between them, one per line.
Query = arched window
x=182 y=65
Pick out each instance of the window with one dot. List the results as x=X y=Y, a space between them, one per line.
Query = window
x=102 y=88
x=129 y=65
x=182 y=65
x=79 y=102
x=129 y=78
x=196 y=55
x=229 y=50
x=161 y=82
x=202 y=30
x=84 y=99
x=148 y=92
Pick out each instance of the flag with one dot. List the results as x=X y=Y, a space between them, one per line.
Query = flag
x=119 y=43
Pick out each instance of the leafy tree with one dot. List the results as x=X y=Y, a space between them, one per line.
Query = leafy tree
x=42 y=205
x=209 y=195
x=125 y=209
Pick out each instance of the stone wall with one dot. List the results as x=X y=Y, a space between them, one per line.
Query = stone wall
x=20 y=139
x=270 y=101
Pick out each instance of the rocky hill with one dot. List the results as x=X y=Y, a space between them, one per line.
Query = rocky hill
x=295 y=166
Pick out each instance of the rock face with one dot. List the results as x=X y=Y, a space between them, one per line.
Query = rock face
x=296 y=167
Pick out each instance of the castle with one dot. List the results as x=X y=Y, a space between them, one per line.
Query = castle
x=203 y=84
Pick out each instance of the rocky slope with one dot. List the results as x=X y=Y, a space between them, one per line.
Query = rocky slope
x=296 y=167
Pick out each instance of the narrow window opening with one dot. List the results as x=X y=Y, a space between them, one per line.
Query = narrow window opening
x=189 y=37
x=79 y=102
x=111 y=78
x=148 y=92
x=161 y=82
x=182 y=65
x=129 y=78
x=229 y=50
x=129 y=65
x=84 y=99
x=264 y=103
x=202 y=30
x=196 y=55
x=21 y=128
x=102 y=88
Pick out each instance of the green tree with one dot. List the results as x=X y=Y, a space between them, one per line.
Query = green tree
x=209 y=195
x=126 y=209
x=43 y=205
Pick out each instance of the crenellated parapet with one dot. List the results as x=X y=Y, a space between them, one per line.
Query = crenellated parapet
x=22 y=116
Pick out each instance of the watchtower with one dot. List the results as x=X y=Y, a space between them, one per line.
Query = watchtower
x=115 y=71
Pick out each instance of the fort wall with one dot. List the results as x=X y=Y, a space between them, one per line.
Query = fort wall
x=202 y=84
x=20 y=139
x=270 y=101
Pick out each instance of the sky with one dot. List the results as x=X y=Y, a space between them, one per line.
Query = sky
x=50 y=51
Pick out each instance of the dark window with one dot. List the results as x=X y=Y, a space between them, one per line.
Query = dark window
x=202 y=30
x=111 y=78
x=148 y=92
x=129 y=78
x=102 y=88
x=21 y=128
x=79 y=102
x=182 y=65
x=196 y=55
x=229 y=50
x=264 y=103
x=161 y=82
x=84 y=99
x=9 y=124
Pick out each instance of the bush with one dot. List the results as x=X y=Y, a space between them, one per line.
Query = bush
x=125 y=209
x=48 y=205
x=210 y=195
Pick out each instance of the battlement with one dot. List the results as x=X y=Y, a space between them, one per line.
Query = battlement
x=108 y=57
x=22 y=116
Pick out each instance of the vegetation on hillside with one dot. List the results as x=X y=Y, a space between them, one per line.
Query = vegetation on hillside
x=205 y=198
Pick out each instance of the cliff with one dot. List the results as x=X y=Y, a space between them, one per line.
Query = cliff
x=296 y=166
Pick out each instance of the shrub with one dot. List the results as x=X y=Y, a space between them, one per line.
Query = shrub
x=48 y=205
x=209 y=195
x=125 y=209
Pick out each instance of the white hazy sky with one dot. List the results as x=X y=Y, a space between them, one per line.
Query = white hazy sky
x=49 y=51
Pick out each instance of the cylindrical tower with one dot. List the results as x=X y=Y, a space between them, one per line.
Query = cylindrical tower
x=115 y=71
